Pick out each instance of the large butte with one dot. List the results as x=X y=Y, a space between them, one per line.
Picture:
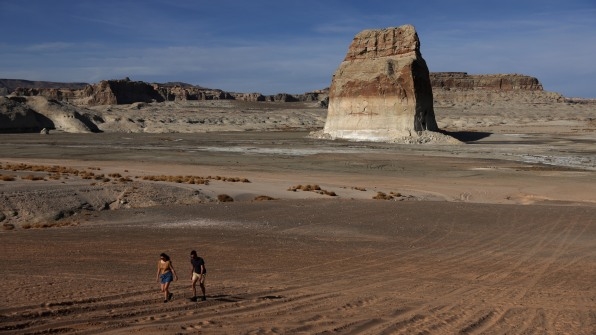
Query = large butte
x=382 y=90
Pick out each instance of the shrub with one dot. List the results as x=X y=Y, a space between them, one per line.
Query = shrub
x=32 y=177
x=7 y=226
x=311 y=188
x=224 y=198
x=263 y=198
x=382 y=196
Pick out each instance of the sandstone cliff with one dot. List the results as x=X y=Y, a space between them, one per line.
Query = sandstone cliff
x=118 y=92
x=382 y=90
x=500 y=82
x=460 y=88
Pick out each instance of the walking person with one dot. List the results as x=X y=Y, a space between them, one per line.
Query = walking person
x=165 y=275
x=197 y=274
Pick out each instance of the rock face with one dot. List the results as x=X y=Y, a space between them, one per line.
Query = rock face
x=499 y=82
x=33 y=114
x=381 y=91
x=114 y=92
x=125 y=91
x=461 y=89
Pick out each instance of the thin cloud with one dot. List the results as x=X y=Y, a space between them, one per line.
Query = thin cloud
x=50 y=46
x=291 y=47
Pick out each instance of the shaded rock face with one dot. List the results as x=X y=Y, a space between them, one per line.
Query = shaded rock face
x=382 y=90
x=114 y=92
x=17 y=117
x=33 y=114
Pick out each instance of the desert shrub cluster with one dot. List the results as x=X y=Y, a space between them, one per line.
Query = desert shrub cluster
x=311 y=188
x=384 y=196
x=195 y=179
x=8 y=226
x=4 y=177
x=49 y=224
x=263 y=198
x=224 y=198
x=56 y=172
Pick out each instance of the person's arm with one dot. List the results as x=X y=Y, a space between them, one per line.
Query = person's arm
x=173 y=271
x=158 y=271
x=192 y=270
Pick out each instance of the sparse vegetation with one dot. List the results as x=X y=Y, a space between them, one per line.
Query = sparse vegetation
x=224 y=198
x=263 y=198
x=197 y=180
x=7 y=226
x=32 y=177
x=49 y=224
x=56 y=172
x=6 y=178
x=311 y=188
x=384 y=196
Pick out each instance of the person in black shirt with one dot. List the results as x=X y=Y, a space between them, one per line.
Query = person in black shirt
x=197 y=274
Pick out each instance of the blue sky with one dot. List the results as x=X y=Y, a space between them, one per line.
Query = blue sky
x=274 y=46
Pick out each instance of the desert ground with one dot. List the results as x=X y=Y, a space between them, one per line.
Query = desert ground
x=494 y=235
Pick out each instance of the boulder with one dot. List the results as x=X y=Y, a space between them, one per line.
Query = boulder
x=382 y=90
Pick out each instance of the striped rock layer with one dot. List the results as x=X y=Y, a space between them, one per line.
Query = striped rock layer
x=382 y=90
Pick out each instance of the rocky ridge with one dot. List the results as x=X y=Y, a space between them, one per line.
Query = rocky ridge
x=126 y=91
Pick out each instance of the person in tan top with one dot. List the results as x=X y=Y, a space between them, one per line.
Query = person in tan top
x=165 y=275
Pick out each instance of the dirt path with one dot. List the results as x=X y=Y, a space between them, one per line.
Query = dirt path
x=309 y=267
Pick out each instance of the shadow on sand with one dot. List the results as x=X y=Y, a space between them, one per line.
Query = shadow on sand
x=467 y=136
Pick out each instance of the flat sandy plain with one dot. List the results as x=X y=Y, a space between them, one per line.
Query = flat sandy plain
x=494 y=236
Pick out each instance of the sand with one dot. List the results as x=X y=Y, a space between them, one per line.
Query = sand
x=495 y=236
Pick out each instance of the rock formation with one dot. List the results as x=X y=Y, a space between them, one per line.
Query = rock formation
x=500 y=82
x=125 y=91
x=462 y=89
x=114 y=92
x=12 y=84
x=33 y=114
x=381 y=91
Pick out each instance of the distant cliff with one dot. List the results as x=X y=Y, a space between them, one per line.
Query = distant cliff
x=126 y=91
x=454 y=88
x=448 y=88
x=10 y=85
x=498 y=82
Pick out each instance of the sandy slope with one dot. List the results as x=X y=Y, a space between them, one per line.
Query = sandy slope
x=492 y=237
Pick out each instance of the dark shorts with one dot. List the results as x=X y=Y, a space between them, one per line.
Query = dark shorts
x=166 y=277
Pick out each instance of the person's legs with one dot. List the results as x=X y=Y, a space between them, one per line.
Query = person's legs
x=166 y=291
x=202 y=285
x=203 y=290
x=194 y=286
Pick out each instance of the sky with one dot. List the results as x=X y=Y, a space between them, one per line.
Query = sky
x=283 y=46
